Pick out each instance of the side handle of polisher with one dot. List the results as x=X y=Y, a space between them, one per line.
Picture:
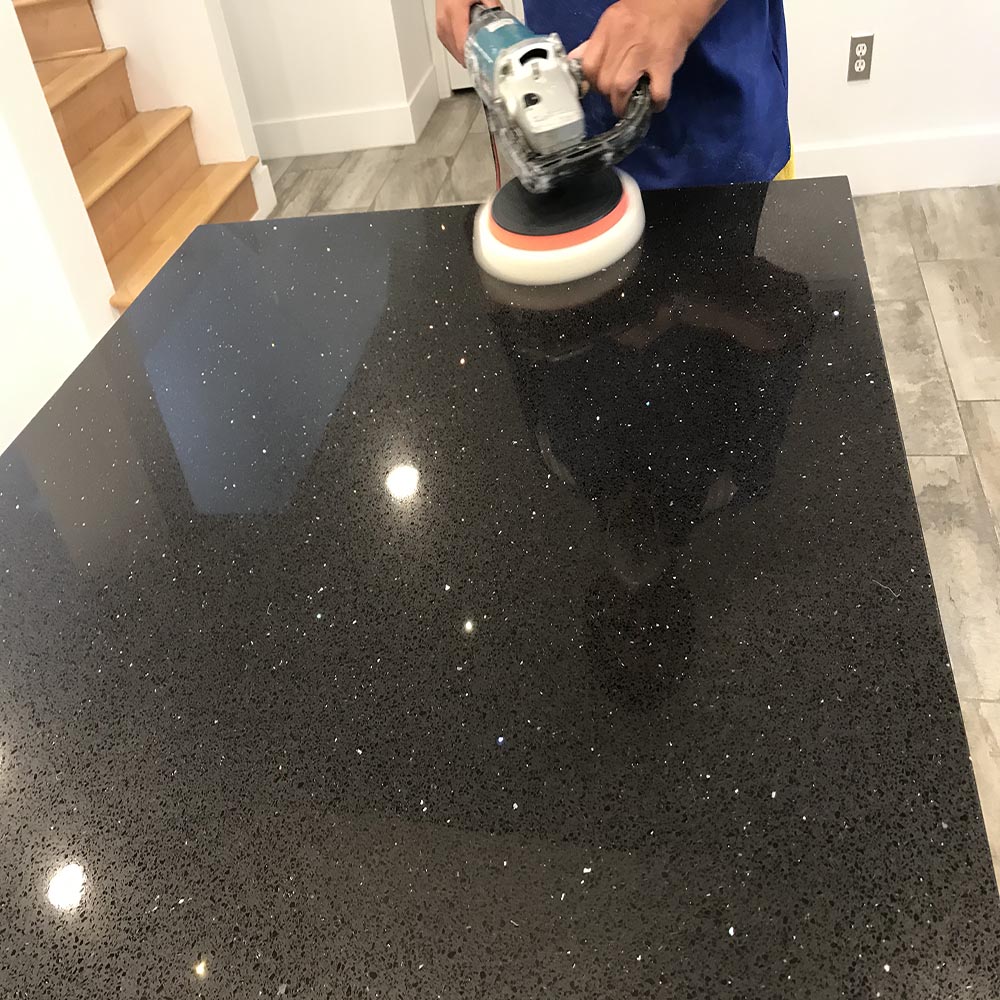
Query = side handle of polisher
x=626 y=134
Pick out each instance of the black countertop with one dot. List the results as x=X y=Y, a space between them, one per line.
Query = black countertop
x=641 y=691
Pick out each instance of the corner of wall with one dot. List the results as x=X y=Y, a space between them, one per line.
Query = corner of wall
x=54 y=283
x=263 y=189
x=423 y=101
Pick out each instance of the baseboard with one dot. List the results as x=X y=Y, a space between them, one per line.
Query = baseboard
x=423 y=101
x=907 y=161
x=263 y=190
x=364 y=128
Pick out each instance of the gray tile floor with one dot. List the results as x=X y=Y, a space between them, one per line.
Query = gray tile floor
x=934 y=261
x=451 y=164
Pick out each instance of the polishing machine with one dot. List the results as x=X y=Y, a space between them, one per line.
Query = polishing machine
x=569 y=213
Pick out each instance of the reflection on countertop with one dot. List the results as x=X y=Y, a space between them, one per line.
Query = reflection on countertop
x=368 y=631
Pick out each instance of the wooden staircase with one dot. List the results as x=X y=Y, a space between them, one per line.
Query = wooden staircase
x=138 y=172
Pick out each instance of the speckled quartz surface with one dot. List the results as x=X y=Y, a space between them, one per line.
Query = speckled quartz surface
x=362 y=635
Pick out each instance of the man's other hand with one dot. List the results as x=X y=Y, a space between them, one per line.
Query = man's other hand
x=637 y=37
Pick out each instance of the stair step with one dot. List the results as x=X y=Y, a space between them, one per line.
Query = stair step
x=79 y=71
x=75 y=54
x=91 y=99
x=141 y=191
x=198 y=201
x=58 y=26
x=48 y=69
x=99 y=172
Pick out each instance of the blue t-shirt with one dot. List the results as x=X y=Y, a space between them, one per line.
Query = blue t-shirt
x=727 y=120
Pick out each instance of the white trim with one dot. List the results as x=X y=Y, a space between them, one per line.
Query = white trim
x=263 y=191
x=423 y=101
x=343 y=131
x=438 y=52
x=907 y=161
x=334 y=133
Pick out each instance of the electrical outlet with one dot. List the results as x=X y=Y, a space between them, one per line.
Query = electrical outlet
x=860 y=65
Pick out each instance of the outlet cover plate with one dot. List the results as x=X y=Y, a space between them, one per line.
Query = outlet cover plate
x=860 y=65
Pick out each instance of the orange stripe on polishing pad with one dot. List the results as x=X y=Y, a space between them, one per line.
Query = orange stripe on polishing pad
x=560 y=241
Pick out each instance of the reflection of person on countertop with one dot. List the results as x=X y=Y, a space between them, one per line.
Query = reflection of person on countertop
x=688 y=414
x=722 y=65
x=663 y=416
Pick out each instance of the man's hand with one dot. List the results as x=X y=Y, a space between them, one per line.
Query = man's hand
x=453 y=23
x=636 y=37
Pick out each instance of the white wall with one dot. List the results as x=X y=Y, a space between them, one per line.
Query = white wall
x=929 y=117
x=413 y=43
x=54 y=286
x=180 y=53
x=330 y=75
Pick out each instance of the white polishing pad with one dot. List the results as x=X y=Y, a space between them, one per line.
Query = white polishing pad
x=533 y=263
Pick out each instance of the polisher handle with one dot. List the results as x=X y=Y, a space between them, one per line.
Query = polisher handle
x=640 y=104
x=639 y=111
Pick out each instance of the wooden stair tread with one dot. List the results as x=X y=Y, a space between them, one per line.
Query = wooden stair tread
x=69 y=55
x=197 y=201
x=79 y=71
x=112 y=160
x=48 y=69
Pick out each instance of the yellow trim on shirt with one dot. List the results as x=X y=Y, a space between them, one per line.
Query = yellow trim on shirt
x=787 y=173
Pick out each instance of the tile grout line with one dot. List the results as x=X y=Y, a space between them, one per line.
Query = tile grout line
x=970 y=452
x=337 y=171
x=944 y=357
x=451 y=160
x=378 y=192
x=284 y=200
x=319 y=194
x=465 y=133
x=439 y=188
x=958 y=260
x=909 y=234
x=449 y=176
x=958 y=402
x=975 y=468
